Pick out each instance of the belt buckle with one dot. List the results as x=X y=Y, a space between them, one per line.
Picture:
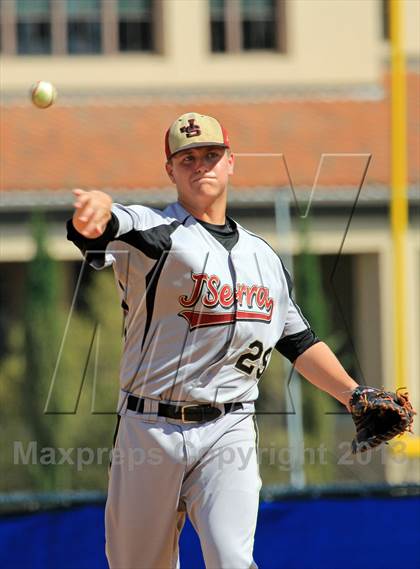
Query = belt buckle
x=183 y=419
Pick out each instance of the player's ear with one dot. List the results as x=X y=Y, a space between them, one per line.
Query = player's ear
x=231 y=162
x=169 y=170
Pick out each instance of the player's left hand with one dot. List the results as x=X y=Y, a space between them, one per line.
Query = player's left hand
x=379 y=416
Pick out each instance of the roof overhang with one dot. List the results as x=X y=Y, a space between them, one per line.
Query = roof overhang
x=370 y=196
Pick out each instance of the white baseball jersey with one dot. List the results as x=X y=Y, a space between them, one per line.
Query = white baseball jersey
x=201 y=319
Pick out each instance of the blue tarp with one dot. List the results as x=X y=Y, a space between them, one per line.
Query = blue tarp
x=338 y=533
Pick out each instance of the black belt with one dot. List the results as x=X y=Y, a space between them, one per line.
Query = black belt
x=185 y=413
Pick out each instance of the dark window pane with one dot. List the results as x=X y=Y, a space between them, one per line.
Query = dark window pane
x=84 y=37
x=33 y=37
x=258 y=24
x=218 y=42
x=385 y=19
x=217 y=25
x=135 y=36
x=258 y=35
x=140 y=9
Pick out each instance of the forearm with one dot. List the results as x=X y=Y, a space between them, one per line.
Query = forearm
x=319 y=365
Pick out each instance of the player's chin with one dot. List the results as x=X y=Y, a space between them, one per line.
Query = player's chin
x=208 y=188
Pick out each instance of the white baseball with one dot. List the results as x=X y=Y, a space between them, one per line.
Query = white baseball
x=43 y=94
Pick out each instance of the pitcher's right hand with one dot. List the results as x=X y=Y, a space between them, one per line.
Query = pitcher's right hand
x=92 y=212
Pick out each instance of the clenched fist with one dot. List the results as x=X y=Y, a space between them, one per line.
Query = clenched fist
x=92 y=212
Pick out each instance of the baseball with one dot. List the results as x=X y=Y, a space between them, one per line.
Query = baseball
x=43 y=94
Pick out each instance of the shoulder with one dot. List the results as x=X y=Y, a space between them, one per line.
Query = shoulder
x=258 y=240
x=144 y=217
x=150 y=229
x=272 y=253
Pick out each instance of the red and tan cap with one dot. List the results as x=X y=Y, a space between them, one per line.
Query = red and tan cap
x=193 y=130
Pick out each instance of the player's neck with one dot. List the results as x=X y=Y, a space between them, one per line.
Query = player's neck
x=210 y=218
x=213 y=213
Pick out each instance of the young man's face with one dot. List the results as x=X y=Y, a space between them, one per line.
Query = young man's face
x=201 y=174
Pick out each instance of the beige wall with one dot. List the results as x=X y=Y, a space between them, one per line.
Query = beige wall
x=334 y=42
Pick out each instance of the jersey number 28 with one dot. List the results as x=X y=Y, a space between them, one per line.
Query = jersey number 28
x=254 y=358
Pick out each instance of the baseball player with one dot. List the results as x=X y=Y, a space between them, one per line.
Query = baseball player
x=205 y=303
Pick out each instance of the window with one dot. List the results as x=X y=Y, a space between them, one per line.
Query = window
x=33 y=26
x=83 y=26
x=386 y=33
x=135 y=31
x=244 y=25
x=258 y=21
x=217 y=25
x=29 y=27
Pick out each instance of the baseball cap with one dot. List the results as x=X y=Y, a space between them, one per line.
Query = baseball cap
x=193 y=130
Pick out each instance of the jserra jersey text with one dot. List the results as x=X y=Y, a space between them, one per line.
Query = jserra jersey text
x=201 y=318
x=247 y=302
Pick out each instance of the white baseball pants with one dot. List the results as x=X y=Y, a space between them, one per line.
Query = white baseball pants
x=163 y=469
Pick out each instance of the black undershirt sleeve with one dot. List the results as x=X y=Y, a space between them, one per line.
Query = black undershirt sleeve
x=97 y=245
x=291 y=347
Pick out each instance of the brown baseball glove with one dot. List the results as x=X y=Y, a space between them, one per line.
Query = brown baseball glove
x=379 y=416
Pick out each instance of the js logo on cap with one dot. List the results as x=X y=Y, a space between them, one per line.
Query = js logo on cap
x=192 y=129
